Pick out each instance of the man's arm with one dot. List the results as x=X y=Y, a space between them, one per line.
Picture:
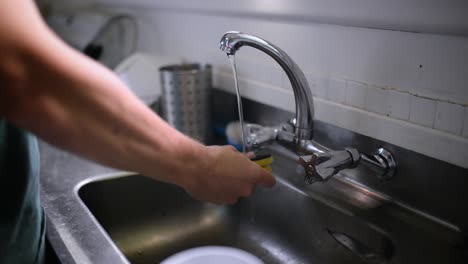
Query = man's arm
x=74 y=103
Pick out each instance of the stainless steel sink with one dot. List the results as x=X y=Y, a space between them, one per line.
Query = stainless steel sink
x=337 y=222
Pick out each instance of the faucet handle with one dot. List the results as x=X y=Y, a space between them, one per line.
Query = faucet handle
x=322 y=166
x=381 y=162
x=258 y=135
x=292 y=121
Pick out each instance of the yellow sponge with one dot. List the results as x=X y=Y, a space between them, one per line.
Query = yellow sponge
x=263 y=159
x=268 y=168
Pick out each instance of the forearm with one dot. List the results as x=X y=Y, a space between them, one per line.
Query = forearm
x=78 y=105
x=72 y=102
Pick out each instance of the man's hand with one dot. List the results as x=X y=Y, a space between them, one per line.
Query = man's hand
x=227 y=176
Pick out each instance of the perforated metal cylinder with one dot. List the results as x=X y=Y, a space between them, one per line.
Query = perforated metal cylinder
x=185 y=101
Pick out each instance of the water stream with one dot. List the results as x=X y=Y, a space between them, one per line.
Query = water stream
x=239 y=100
x=241 y=121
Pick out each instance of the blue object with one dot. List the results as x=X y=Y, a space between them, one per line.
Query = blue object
x=237 y=146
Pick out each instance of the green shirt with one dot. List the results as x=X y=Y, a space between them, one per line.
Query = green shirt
x=22 y=224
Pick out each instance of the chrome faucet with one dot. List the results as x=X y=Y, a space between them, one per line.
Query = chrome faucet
x=318 y=165
x=232 y=41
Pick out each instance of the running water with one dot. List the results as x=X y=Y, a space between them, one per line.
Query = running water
x=239 y=100
x=241 y=121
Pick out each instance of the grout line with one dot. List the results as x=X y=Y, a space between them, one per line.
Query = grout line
x=376 y=86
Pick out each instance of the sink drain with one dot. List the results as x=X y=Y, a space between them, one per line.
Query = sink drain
x=361 y=250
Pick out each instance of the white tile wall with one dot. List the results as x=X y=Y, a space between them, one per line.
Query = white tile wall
x=337 y=90
x=246 y=69
x=322 y=86
x=422 y=111
x=398 y=105
x=377 y=100
x=465 y=127
x=356 y=94
x=223 y=80
x=449 y=117
x=276 y=76
x=312 y=81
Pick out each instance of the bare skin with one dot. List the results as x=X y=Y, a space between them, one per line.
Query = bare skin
x=76 y=104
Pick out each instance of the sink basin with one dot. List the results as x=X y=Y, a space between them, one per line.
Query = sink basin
x=290 y=223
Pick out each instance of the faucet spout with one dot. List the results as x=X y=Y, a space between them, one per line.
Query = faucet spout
x=303 y=128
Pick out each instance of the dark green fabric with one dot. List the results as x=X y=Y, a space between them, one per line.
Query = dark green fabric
x=22 y=225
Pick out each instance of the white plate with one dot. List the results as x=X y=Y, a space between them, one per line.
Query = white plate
x=140 y=72
x=213 y=255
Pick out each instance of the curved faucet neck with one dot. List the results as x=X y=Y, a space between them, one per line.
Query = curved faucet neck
x=233 y=40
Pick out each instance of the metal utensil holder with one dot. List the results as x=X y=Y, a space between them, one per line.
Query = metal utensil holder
x=185 y=100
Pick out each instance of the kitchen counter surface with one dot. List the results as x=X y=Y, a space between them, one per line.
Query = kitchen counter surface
x=73 y=232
